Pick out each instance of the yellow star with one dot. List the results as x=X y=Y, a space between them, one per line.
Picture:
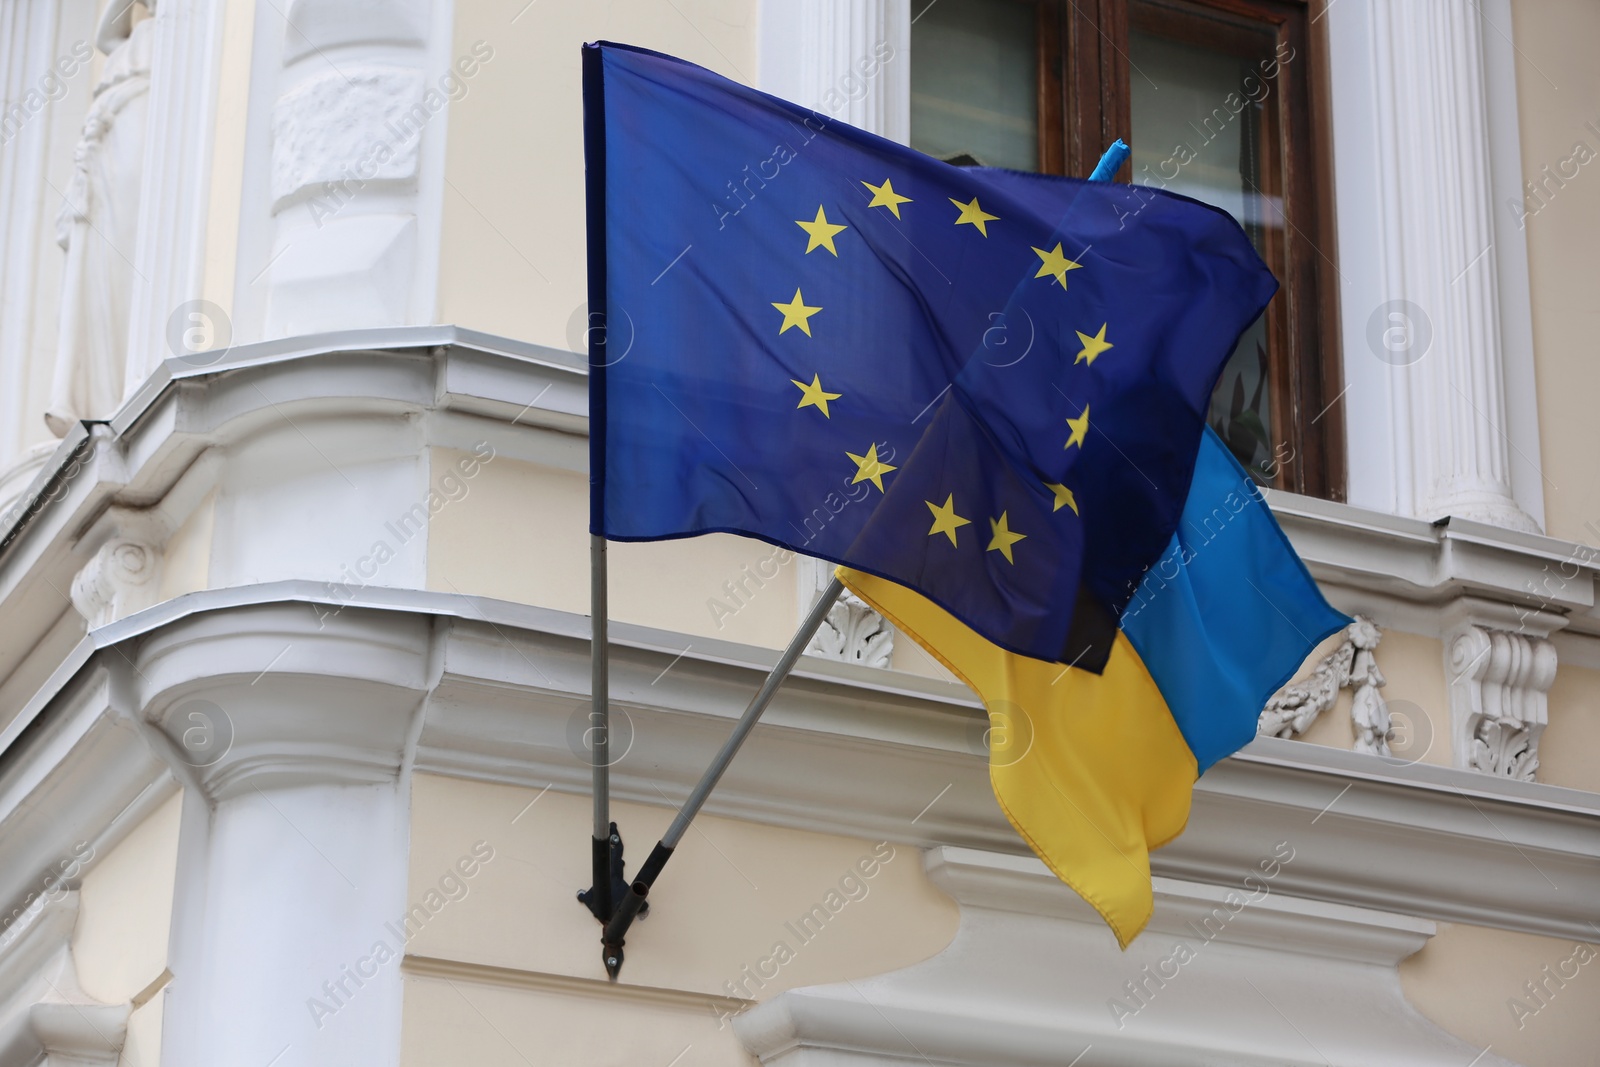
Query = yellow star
x=1092 y=345
x=1055 y=264
x=945 y=519
x=885 y=196
x=1003 y=538
x=795 y=313
x=1063 y=496
x=815 y=395
x=821 y=231
x=1080 y=428
x=870 y=468
x=974 y=214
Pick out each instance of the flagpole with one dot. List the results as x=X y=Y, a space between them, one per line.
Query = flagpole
x=599 y=897
x=617 y=928
x=606 y=846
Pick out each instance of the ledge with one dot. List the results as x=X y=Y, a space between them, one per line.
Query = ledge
x=844 y=749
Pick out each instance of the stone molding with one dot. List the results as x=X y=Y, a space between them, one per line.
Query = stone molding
x=1034 y=977
x=45 y=1016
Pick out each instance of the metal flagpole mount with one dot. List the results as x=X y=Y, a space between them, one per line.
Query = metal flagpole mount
x=634 y=902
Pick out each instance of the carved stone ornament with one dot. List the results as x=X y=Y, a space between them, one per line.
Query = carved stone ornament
x=123 y=575
x=1499 y=686
x=1351 y=665
x=852 y=631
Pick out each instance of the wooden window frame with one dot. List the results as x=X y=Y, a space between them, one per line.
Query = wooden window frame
x=1085 y=104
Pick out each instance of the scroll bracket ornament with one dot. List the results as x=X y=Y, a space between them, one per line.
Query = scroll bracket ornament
x=1500 y=682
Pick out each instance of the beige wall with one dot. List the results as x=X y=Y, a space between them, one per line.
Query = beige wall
x=1467 y=979
x=454 y=1021
x=1558 y=93
x=524 y=958
x=125 y=912
x=522 y=533
x=511 y=260
x=1572 y=740
x=120 y=944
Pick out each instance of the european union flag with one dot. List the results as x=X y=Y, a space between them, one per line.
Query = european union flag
x=984 y=385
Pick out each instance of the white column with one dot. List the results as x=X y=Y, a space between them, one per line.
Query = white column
x=845 y=58
x=1439 y=323
x=293 y=860
x=169 y=259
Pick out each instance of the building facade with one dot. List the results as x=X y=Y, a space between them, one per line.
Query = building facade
x=294 y=635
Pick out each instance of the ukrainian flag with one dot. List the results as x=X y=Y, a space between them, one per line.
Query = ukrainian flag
x=1094 y=771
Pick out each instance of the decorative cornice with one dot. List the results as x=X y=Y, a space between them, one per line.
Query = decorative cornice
x=1397 y=569
x=844 y=749
x=1208 y=983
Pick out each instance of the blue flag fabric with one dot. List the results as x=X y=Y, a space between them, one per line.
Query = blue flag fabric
x=985 y=385
x=1228 y=612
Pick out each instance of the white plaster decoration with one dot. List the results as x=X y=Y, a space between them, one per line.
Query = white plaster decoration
x=124 y=574
x=1435 y=331
x=97 y=225
x=1499 y=685
x=1034 y=977
x=344 y=177
x=846 y=58
x=118 y=580
x=1352 y=664
x=45 y=1016
x=175 y=194
x=342 y=126
x=852 y=632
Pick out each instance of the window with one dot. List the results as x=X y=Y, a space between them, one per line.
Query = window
x=1221 y=100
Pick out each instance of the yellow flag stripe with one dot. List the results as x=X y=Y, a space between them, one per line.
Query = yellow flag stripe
x=1090 y=769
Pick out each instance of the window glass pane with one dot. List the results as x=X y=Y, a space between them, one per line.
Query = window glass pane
x=974 y=82
x=1199 y=113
